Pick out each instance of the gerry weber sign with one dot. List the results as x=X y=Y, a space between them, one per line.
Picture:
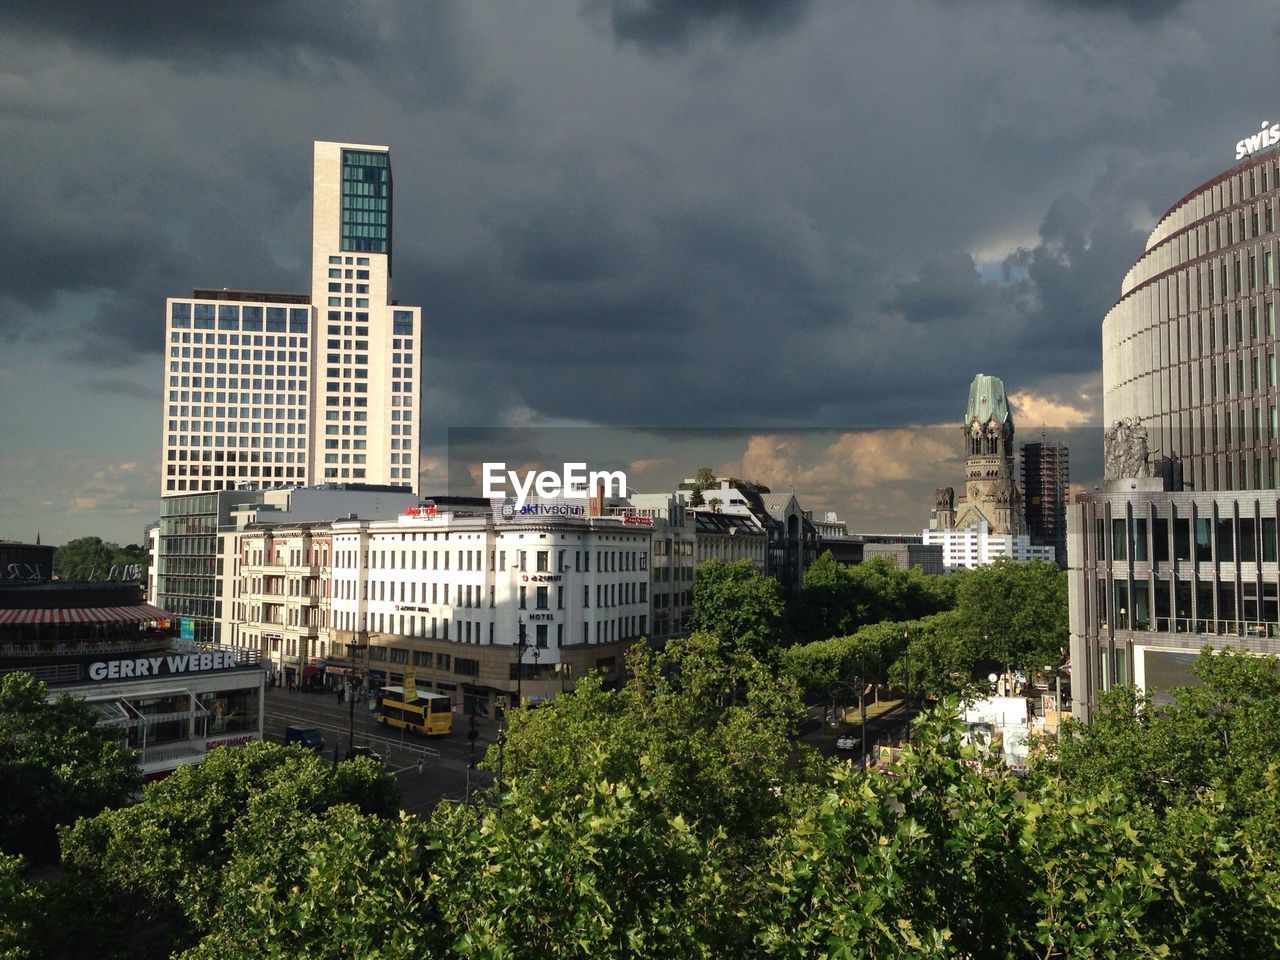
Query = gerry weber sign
x=1268 y=136
x=161 y=666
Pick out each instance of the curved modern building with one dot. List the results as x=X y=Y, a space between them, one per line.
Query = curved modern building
x=1189 y=350
x=1163 y=565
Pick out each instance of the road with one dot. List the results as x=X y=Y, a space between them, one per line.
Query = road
x=445 y=758
x=888 y=727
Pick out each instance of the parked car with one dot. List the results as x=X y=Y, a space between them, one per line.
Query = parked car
x=308 y=737
x=847 y=741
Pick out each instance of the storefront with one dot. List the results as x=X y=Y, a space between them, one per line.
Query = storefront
x=173 y=708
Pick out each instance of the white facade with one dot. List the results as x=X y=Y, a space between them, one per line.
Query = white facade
x=976 y=545
x=471 y=580
x=445 y=594
x=287 y=389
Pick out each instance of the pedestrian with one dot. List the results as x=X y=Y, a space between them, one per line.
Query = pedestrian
x=421 y=758
x=339 y=694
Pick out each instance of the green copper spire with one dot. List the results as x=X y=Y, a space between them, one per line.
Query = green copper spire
x=987 y=400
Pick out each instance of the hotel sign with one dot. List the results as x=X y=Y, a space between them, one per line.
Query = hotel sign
x=1268 y=136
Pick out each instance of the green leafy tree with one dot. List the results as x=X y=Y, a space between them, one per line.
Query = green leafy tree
x=607 y=871
x=1221 y=735
x=914 y=865
x=938 y=659
x=360 y=886
x=838 y=599
x=705 y=477
x=92 y=557
x=56 y=765
x=164 y=860
x=20 y=904
x=710 y=728
x=740 y=605
x=80 y=557
x=1016 y=612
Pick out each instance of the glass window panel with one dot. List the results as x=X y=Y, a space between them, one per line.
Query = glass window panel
x=1118 y=540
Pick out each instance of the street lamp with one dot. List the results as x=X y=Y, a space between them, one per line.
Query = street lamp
x=471 y=738
x=351 y=701
x=906 y=696
x=523 y=644
x=1057 y=700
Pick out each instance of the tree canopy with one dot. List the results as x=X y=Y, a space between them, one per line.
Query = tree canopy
x=56 y=765
x=838 y=599
x=741 y=606
x=1016 y=613
x=79 y=559
x=173 y=859
x=674 y=818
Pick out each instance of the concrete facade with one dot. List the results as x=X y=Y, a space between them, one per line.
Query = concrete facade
x=1164 y=565
x=280 y=389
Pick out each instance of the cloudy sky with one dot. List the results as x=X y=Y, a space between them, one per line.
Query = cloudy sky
x=645 y=213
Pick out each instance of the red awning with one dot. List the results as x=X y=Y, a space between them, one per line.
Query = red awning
x=134 y=613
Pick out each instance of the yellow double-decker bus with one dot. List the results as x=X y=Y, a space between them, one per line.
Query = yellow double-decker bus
x=431 y=714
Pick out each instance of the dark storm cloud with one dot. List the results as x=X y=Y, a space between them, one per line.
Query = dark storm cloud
x=416 y=50
x=1077 y=267
x=272 y=34
x=671 y=24
x=119 y=386
x=1137 y=9
x=949 y=289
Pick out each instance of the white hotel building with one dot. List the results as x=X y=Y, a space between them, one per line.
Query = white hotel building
x=289 y=389
x=446 y=594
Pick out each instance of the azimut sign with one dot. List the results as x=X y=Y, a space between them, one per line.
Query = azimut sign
x=1268 y=136
x=161 y=666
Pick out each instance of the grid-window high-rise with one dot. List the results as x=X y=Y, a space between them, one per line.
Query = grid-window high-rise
x=285 y=389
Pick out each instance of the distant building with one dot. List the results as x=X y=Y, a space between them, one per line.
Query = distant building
x=988 y=520
x=1046 y=485
x=977 y=545
x=25 y=561
x=269 y=389
x=927 y=557
x=171 y=702
x=195 y=569
x=447 y=593
x=792 y=537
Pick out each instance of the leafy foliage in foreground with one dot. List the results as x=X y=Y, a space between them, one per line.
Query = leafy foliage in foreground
x=673 y=818
x=55 y=765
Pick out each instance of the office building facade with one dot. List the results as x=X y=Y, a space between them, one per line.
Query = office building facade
x=1178 y=549
x=267 y=389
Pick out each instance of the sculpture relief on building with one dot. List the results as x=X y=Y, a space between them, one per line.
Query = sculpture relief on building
x=1124 y=450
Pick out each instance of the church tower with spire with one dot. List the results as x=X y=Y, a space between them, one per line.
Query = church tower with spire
x=990 y=492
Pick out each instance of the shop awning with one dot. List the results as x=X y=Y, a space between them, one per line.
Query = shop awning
x=133 y=613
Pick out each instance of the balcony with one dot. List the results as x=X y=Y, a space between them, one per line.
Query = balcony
x=287 y=569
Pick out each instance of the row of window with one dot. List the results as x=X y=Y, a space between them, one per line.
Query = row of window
x=1202 y=539
x=259 y=420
